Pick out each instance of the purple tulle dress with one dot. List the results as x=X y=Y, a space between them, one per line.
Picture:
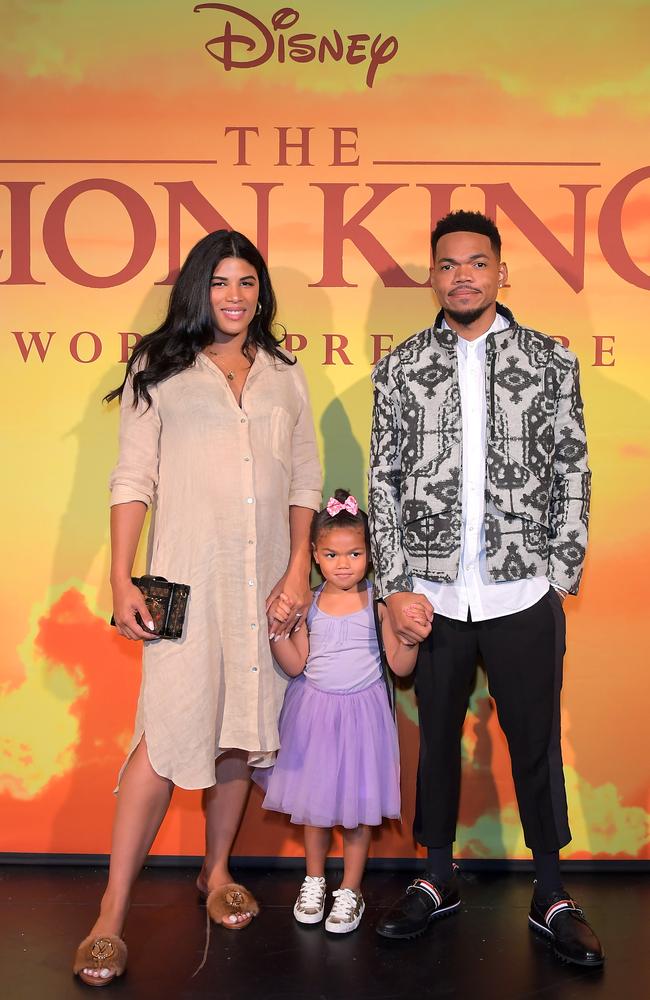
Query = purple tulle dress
x=338 y=763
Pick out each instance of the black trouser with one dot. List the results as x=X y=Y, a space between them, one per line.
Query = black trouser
x=522 y=654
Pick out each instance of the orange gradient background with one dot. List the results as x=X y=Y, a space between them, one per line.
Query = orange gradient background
x=87 y=85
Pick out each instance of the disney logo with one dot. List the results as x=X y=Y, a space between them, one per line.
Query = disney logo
x=247 y=42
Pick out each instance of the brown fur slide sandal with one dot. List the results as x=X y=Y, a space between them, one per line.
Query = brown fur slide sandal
x=100 y=953
x=229 y=901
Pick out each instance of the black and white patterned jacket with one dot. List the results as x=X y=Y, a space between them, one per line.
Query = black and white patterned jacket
x=537 y=478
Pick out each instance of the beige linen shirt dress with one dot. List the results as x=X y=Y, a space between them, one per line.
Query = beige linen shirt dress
x=220 y=479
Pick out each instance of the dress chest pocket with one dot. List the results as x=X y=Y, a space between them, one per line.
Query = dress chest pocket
x=281 y=430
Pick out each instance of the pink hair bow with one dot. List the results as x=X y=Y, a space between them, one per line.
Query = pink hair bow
x=335 y=506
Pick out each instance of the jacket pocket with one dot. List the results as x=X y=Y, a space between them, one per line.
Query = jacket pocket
x=432 y=537
x=430 y=488
x=516 y=491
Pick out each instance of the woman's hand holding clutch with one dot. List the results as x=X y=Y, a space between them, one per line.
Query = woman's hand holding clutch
x=131 y=612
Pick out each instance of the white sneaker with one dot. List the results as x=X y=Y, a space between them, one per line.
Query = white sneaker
x=310 y=904
x=346 y=913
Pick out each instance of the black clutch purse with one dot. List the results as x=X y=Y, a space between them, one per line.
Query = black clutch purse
x=166 y=602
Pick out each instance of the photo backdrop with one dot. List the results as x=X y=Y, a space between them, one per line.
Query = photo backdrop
x=333 y=135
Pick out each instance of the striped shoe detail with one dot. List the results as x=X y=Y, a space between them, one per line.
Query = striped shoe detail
x=562 y=904
x=430 y=889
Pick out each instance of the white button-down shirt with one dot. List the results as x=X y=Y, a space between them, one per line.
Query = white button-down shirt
x=473 y=591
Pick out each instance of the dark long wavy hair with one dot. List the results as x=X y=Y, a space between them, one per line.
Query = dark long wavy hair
x=189 y=325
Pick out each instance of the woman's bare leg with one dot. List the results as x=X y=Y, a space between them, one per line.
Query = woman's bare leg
x=356 y=844
x=224 y=805
x=142 y=802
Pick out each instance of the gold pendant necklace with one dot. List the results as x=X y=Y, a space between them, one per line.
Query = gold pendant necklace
x=230 y=374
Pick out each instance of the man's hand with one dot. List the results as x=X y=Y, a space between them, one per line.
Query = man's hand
x=410 y=615
x=418 y=614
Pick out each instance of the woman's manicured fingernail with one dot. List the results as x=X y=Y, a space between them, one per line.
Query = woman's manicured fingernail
x=150 y=625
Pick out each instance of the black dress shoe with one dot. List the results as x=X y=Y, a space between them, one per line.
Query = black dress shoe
x=558 y=917
x=424 y=900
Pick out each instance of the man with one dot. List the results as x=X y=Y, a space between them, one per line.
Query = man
x=478 y=504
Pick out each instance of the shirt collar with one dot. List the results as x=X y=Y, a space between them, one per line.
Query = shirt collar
x=447 y=339
x=499 y=323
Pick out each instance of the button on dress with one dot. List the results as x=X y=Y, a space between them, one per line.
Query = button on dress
x=220 y=479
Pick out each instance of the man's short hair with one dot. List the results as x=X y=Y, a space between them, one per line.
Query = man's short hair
x=467 y=222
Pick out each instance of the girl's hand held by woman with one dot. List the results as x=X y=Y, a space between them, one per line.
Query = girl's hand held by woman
x=288 y=603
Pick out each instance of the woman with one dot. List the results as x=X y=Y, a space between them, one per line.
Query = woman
x=216 y=435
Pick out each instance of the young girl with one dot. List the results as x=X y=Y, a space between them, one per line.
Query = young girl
x=338 y=764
